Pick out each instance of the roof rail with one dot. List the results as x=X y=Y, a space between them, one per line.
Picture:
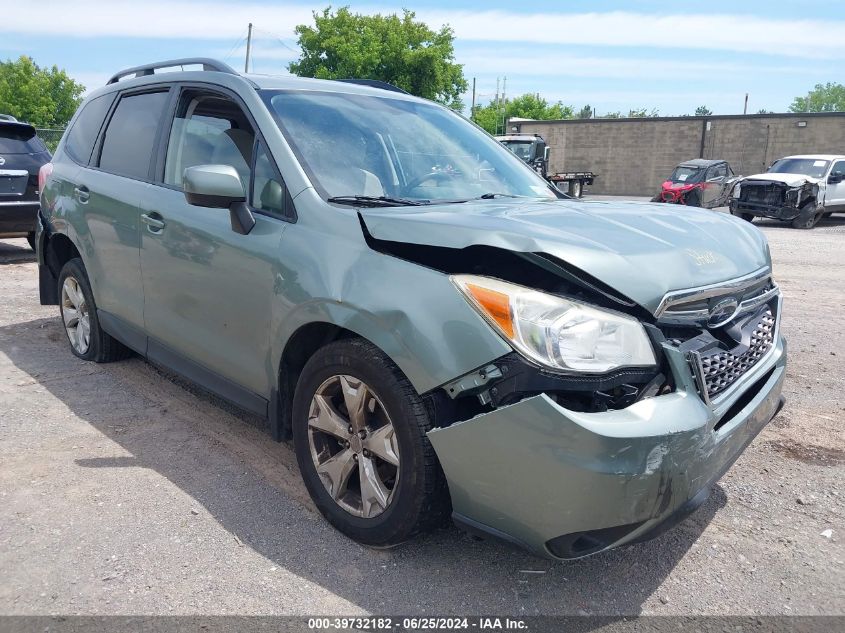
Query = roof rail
x=375 y=83
x=148 y=69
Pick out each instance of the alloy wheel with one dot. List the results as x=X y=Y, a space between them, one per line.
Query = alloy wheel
x=353 y=446
x=75 y=315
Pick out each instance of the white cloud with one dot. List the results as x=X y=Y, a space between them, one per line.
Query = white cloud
x=192 y=19
x=524 y=63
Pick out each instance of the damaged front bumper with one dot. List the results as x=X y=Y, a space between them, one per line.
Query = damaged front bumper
x=566 y=484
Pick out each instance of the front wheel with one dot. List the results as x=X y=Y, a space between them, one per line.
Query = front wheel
x=359 y=431
x=30 y=238
x=808 y=217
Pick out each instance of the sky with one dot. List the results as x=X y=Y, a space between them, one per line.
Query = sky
x=612 y=55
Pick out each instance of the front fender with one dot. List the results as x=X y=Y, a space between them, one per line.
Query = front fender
x=413 y=314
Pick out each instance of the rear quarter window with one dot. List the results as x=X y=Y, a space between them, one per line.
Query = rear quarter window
x=20 y=139
x=82 y=136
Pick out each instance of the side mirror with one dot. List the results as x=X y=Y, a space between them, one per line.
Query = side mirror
x=835 y=178
x=219 y=187
x=546 y=153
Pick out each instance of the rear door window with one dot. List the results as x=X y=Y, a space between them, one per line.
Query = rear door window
x=83 y=134
x=131 y=135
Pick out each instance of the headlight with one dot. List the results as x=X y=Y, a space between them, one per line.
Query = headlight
x=737 y=189
x=555 y=332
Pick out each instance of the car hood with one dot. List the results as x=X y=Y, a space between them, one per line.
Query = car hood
x=642 y=250
x=790 y=180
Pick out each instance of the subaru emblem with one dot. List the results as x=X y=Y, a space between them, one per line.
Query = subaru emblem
x=722 y=312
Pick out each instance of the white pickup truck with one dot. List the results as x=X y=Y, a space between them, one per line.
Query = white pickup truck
x=797 y=189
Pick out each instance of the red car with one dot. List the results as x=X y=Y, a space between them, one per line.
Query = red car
x=699 y=183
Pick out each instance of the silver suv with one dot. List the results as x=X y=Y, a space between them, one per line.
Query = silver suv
x=438 y=329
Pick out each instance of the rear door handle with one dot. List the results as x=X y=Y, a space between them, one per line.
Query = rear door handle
x=153 y=221
x=82 y=194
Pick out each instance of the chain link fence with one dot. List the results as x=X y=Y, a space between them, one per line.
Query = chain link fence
x=50 y=136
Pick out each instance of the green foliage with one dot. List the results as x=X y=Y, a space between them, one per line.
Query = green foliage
x=392 y=48
x=41 y=96
x=585 y=113
x=764 y=111
x=641 y=113
x=827 y=97
x=703 y=111
x=528 y=106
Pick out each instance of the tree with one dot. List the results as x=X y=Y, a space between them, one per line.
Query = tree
x=392 y=48
x=829 y=97
x=585 y=113
x=642 y=113
x=528 y=106
x=703 y=111
x=764 y=111
x=41 y=96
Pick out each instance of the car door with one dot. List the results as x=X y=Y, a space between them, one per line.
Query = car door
x=208 y=289
x=834 y=197
x=713 y=187
x=107 y=194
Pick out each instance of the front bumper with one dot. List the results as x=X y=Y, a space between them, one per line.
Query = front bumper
x=775 y=212
x=566 y=484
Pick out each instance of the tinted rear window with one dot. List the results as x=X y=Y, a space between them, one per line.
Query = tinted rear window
x=83 y=134
x=131 y=134
x=19 y=139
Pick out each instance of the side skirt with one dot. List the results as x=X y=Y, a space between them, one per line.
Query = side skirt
x=158 y=353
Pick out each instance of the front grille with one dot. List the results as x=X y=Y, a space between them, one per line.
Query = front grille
x=770 y=195
x=721 y=369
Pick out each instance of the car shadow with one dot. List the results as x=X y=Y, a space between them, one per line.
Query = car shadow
x=15 y=251
x=225 y=462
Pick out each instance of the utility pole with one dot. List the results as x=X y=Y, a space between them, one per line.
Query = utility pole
x=248 y=46
x=472 y=108
x=745 y=108
x=504 y=105
x=497 y=105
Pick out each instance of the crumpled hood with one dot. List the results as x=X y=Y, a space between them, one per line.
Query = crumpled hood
x=643 y=250
x=790 y=180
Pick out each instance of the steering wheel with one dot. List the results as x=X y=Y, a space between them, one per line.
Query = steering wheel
x=437 y=176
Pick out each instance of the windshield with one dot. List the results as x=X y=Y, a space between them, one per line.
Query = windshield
x=806 y=166
x=361 y=145
x=686 y=174
x=520 y=148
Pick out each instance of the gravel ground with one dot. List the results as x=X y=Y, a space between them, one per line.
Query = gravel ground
x=125 y=491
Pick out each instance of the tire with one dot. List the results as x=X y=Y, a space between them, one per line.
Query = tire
x=808 y=217
x=30 y=238
x=827 y=214
x=415 y=489
x=748 y=217
x=693 y=198
x=77 y=307
x=576 y=189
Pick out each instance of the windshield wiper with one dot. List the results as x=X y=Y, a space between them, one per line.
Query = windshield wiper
x=377 y=201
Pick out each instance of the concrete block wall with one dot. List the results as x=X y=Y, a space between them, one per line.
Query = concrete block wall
x=633 y=156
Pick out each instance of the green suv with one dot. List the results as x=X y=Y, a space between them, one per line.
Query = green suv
x=439 y=330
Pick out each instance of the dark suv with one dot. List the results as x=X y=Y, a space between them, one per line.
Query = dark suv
x=22 y=154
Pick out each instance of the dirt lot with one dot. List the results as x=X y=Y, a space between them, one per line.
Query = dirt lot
x=123 y=491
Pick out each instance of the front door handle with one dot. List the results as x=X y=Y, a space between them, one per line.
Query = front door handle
x=153 y=221
x=82 y=194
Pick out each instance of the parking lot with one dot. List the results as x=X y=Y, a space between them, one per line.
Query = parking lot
x=126 y=491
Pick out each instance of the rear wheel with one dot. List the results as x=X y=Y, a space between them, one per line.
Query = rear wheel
x=79 y=316
x=808 y=217
x=748 y=217
x=575 y=188
x=359 y=431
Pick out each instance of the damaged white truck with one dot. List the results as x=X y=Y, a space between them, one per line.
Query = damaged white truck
x=797 y=189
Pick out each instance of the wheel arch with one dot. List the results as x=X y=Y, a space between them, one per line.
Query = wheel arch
x=59 y=249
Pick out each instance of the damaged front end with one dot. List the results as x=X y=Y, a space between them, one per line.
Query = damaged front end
x=568 y=460
x=774 y=199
